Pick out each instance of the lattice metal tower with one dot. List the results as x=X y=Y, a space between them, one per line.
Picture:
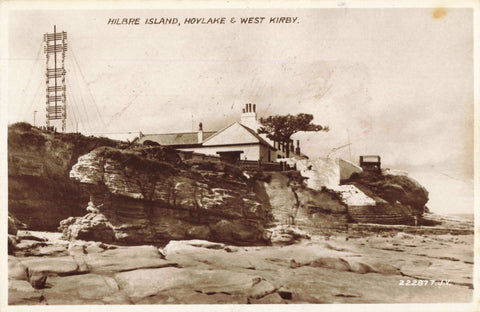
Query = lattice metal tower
x=55 y=49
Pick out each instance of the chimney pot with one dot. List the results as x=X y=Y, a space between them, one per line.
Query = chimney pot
x=243 y=110
x=254 y=108
x=200 y=127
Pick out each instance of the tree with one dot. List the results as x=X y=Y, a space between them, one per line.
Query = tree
x=280 y=128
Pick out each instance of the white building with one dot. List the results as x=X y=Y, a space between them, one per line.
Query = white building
x=236 y=141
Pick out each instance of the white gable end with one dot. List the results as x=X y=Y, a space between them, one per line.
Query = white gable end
x=233 y=134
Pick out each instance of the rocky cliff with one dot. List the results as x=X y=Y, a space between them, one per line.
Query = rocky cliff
x=40 y=192
x=147 y=195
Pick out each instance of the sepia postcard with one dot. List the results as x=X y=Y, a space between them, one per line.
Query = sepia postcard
x=230 y=156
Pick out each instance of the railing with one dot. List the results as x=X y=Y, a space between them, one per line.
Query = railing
x=184 y=155
x=254 y=165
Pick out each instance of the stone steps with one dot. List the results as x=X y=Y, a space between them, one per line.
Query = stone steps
x=418 y=230
x=381 y=214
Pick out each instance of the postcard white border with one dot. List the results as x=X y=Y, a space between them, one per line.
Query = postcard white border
x=7 y=6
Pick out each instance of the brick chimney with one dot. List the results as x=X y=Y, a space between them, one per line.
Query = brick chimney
x=200 y=133
x=249 y=117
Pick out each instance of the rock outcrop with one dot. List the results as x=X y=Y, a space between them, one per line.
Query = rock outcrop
x=40 y=193
x=12 y=225
x=393 y=191
x=382 y=198
x=294 y=204
x=147 y=195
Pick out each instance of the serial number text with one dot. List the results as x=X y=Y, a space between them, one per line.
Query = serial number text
x=416 y=282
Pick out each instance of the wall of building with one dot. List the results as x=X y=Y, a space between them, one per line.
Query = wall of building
x=324 y=171
x=320 y=172
x=347 y=168
x=264 y=154
x=250 y=152
x=234 y=134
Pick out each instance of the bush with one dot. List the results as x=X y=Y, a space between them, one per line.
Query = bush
x=132 y=158
x=21 y=126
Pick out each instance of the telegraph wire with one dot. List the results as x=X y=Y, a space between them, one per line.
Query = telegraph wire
x=91 y=95
x=38 y=101
x=30 y=78
x=31 y=105
x=72 y=107
x=73 y=102
x=75 y=75
x=33 y=66
x=82 y=102
x=83 y=105
x=82 y=97
x=85 y=118
x=78 y=114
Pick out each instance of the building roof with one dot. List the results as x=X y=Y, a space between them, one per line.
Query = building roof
x=183 y=138
x=262 y=140
x=190 y=139
x=250 y=131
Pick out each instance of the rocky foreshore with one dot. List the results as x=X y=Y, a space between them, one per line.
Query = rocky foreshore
x=376 y=267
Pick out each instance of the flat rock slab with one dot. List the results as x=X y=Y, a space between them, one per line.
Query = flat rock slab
x=16 y=270
x=321 y=285
x=125 y=259
x=29 y=244
x=50 y=250
x=175 y=247
x=21 y=292
x=268 y=299
x=220 y=259
x=82 y=289
x=57 y=265
x=254 y=258
x=139 y=284
x=189 y=296
x=198 y=243
x=28 y=235
x=455 y=271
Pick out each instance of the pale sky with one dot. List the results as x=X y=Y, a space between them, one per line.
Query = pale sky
x=393 y=82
